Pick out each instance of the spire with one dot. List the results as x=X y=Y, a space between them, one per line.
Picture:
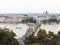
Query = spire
x=46 y=12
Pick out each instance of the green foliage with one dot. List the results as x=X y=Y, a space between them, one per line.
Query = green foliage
x=37 y=44
x=30 y=39
x=43 y=38
x=40 y=33
x=7 y=37
x=51 y=20
x=31 y=20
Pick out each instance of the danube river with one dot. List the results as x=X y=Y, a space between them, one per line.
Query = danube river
x=18 y=29
x=54 y=28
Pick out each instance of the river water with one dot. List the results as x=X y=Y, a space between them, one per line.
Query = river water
x=54 y=28
x=18 y=29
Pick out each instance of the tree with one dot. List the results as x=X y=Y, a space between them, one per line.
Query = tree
x=37 y=43
x=58 y=37
x=31 y=20
x=7 y=37
x=43 y=38
x=30 y=39
x=41 y=34
x=59 y=32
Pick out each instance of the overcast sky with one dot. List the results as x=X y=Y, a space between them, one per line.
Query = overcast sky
x=29 y=6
